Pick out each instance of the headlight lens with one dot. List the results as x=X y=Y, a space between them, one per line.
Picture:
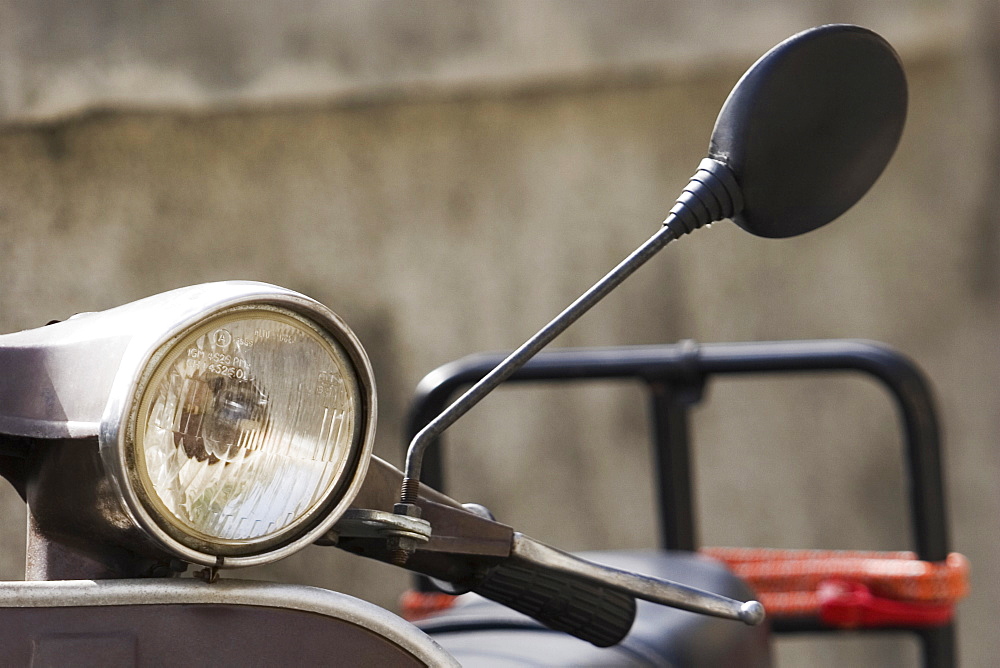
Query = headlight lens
x=244 y=429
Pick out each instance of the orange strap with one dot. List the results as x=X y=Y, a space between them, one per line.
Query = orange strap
x=789 y=582
x=417 y=605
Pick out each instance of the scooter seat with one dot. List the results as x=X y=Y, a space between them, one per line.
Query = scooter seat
x=481 y=633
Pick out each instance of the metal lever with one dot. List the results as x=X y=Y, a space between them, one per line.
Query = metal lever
x=655 y=590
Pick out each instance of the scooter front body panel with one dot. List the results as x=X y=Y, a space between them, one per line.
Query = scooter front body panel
x=188 y=622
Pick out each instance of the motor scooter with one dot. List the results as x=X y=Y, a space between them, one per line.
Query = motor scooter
x=231 y=424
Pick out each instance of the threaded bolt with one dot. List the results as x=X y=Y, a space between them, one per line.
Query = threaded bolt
x=410 y=490
x=400 y=550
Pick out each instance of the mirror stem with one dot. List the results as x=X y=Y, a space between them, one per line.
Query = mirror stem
x=711 y=194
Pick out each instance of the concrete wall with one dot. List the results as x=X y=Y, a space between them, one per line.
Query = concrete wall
x=448 y=176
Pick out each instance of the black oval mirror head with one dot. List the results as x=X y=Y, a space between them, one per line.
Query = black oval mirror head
x=810 y=127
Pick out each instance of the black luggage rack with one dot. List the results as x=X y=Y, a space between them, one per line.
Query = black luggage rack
x=674 y=377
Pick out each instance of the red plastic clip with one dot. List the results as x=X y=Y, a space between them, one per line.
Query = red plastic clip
x=851 y=605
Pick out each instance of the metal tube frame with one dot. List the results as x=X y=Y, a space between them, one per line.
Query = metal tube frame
x=675 y=376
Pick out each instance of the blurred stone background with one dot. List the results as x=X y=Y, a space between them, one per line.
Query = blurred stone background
x=448 y=175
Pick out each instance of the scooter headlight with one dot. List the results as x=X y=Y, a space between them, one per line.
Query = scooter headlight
x=244 y=429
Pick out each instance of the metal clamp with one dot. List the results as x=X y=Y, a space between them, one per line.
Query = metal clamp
x=402 y=532
x=366 y=523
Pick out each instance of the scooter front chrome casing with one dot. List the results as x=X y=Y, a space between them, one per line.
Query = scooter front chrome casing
x=79 y=380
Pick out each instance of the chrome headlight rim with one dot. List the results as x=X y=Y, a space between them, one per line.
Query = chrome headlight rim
x=144 y=356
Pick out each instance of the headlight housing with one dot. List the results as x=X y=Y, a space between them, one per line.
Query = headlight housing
x=243 y=430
